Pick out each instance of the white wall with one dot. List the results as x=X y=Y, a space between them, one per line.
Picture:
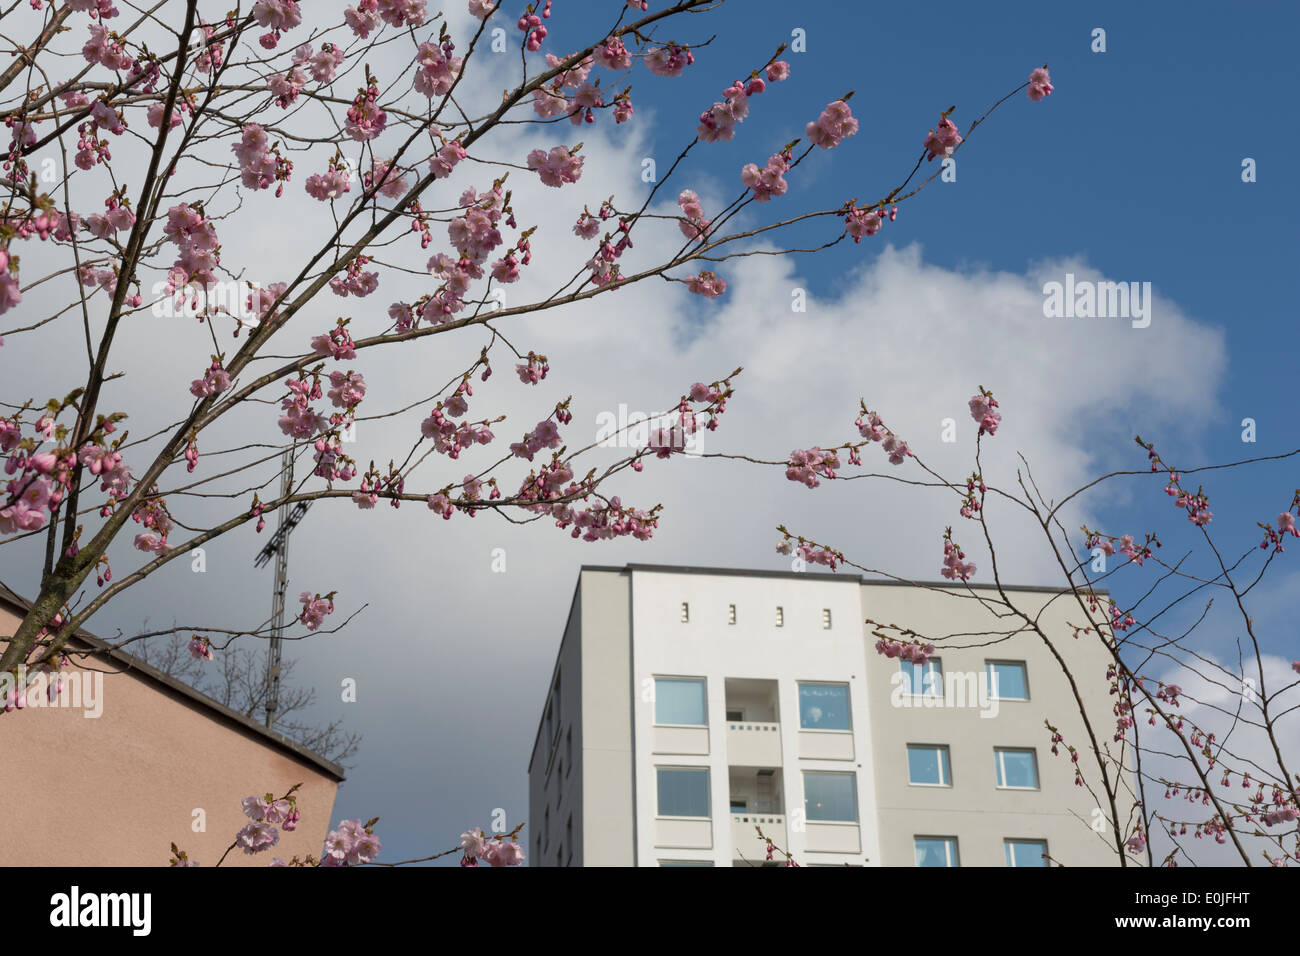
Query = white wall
x=708 y=646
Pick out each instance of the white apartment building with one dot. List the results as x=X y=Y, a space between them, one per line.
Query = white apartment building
x=689 y=706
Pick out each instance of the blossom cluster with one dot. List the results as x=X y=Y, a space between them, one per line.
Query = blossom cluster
x=494 y=851
x=913 y=651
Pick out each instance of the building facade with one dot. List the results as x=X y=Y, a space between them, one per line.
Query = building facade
x=127 y=760
x=689 y=708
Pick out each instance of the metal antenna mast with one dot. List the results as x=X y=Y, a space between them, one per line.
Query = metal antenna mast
x=278 y=547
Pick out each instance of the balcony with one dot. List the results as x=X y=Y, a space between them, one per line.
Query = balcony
x=753 y=723
x=745 y=842
x=753 y=743
x=756 y=800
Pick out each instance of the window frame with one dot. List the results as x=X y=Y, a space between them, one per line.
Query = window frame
x=951 y=850
x=988 y=671
x=999 y=768
x=708 y=792
x=945 y=765
x=848 y=705
x=853 y=779
x=938 y=689
x=1009 y=858
x=702 y=681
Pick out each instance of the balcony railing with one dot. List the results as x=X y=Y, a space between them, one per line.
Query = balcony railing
x=753 y=743
x=744 y=838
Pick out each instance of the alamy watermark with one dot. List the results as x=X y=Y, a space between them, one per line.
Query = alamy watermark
x=1086 y=299
x=626 y=429
x=949 y=689
x=63 y=689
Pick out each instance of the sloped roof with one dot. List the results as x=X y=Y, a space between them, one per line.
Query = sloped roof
x=85 y=642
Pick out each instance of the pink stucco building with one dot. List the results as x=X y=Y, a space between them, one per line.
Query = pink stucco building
x=132 y=760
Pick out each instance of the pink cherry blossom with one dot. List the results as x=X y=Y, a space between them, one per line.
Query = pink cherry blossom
x=707 y=284
x=331 y=184
x=154 y=114
x=911 y=651
x=314 y=609
x=277 y=14
x=257 y=836
x=955 y=567
x=10 y=296
x=777 y=71
x=613 y=55
x=400 y=13
x=835 y=124
x=548 y=104
x=669 y=60
x=693 y=224
x=392 y=180
x=472 y=842
x=346 y=389
x=557 y=167
x=718 y=123
x=859 y=223
x=503 y=853
x=1040 y=84
x=214 y=381
x=943 y=140
x=363 y=19
x=445 y=159
x=806 y=465
x=437 y=69
x=984 y=409
x=768 y=181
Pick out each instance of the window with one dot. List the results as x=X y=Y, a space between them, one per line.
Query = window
x=685 y=862
x=830 y=797
x=683 y=791
x=686 y=612
x=824 y=707
x=739 y=804
x=922 y=680
x=936 y=851
x=736 y=715
x=1025 y=852
x=1008 y=680
x=1016 y=769
x=780 y=617
x=826 y=618
x=928 y=765
x=731 y=614
x=680 y=700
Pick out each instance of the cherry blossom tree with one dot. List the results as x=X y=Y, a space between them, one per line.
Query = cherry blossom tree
x=1198 y=740
x=145 y=141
